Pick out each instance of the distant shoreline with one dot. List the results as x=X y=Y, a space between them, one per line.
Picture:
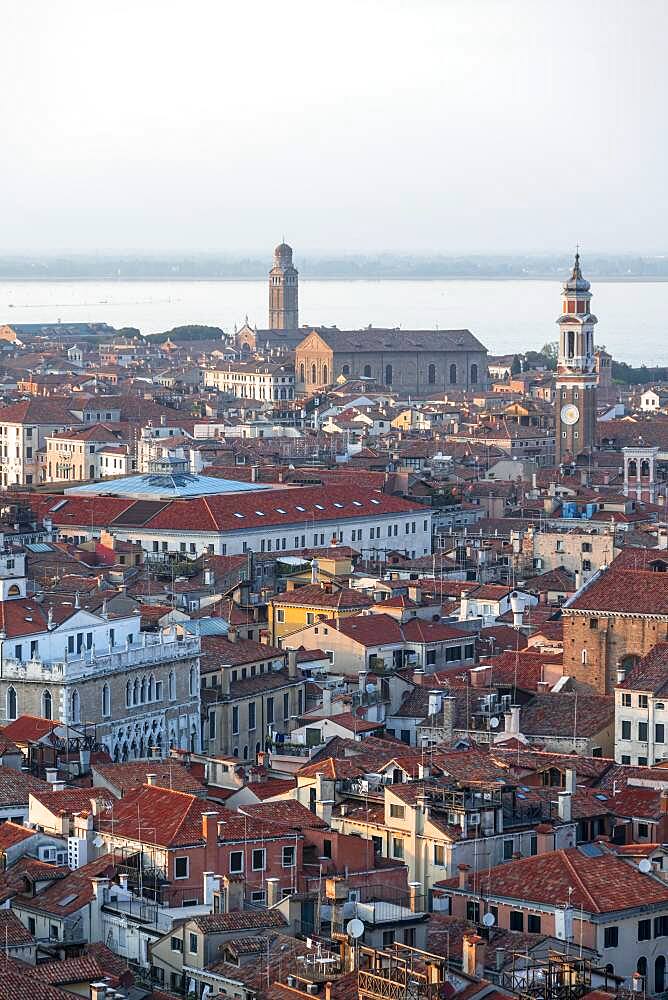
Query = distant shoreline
x=173 y=279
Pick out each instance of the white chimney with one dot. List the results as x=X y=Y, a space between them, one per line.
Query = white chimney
x=435 y=702
x=571 y=781
x=565 y=807
x=517 y=608
x=314 y=571
x=51 y=774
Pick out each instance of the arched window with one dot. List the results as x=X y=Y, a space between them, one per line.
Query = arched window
x=14 y=591
x=474 y=374
x=633 y=468
x=135 y=692
x=431 y=374
x=324 y=374
x=313 y=375
x=584 y=657
x=128 y=694
x=641 y=968
x=388 y=374
x=172 y=685
x=11 y=704
x=47 y=705
x=246 y=752
x=106 y=700
x=367 y=371
x=235 y=752
x=644 y=469
x=302 y=374
x=142 y=691
x=660 y=974
x=570 y=344
x=75 y=706
x=151 y=688
x=345 y=370
x=193 y=681
x=453 y=374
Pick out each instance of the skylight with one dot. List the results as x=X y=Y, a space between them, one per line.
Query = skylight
x=319 y=506
x=356 y=503
x=279 y=510
x=297 y=507
x=339 y=505
x=238 y=515
x=374 y=501
x=260 y=513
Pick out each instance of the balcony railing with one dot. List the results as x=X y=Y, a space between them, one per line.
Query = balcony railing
x=90 y=662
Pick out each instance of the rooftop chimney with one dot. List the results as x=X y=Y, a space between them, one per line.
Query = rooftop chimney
x=571 y=781
x=292 y=663
x=463 y=872
x=565 y=807
x=472 y=964
x=151 y=779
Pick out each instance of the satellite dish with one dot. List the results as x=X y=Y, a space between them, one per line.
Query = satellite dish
x=488 y=920
x=370 y=688
x=98 y=842
x=645 y=866
x=355 y=928
x=494 y=723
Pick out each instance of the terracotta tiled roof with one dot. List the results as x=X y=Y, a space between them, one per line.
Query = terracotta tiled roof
x=72 y=800
x=168 y=774
x=218 y=651
x=16 y=786
x=567 y=715
x=314 y=596
x=628 y=586
x=336 y=768
x=651 y=674
x=289 y=813
x=239 y=920
x=601 y=883
x=14 y=833
x=12 y=931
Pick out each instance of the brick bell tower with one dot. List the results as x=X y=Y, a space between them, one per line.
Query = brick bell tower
x=576 y=371
x=283 y=291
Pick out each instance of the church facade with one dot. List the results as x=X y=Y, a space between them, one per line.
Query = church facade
x=421 y=363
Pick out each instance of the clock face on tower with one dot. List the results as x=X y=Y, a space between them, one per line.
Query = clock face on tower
x=570 y=414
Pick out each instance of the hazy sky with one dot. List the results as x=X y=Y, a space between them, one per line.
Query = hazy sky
x=353 y=125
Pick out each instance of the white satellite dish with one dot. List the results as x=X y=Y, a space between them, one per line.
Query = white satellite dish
x=98 y=842
x=494 y=723
x=355 y=928
x=645 y=866
x=370 y=688
x=488 y=920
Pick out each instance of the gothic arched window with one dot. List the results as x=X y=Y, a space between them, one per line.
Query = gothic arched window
x=11 y=704
x=313 y=374
x=324 y=374
x=431 y=374
x=106 y=700
x=47 y=705
x=367 y=371
x=75 y=707
x=388 y=374
x=453 y=374
x=474 y=374
x=302 y=374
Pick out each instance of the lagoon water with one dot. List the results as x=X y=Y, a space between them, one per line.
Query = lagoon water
x=507 y=316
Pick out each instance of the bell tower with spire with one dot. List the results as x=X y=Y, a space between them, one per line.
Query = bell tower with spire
x=283 y=291
x=576 y=371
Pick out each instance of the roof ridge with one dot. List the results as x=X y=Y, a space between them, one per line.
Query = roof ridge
x=573 y=871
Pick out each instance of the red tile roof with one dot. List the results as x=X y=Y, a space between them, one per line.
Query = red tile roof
x=603 y=883
x=315 y=596
x=628 y=586
x=651 y=674
x=168 y=773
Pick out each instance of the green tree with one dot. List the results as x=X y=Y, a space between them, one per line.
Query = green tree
x=516 y=366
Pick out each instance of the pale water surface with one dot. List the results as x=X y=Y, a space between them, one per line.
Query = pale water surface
x=506 y=315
